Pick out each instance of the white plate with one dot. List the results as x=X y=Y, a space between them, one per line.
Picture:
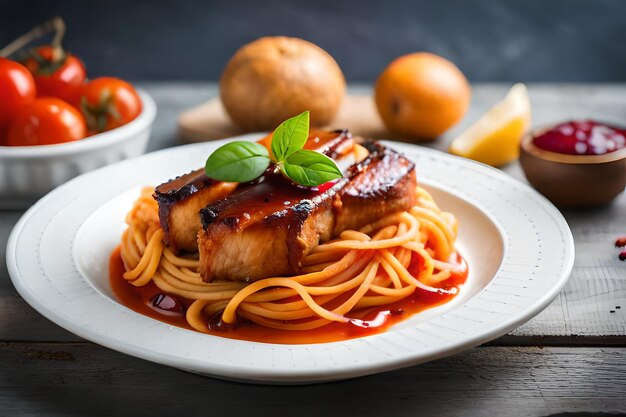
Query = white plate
x=519 y=249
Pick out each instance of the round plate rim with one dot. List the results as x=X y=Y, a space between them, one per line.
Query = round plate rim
x=294 y=375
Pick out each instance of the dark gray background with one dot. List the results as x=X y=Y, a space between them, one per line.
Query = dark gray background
x=549 y=40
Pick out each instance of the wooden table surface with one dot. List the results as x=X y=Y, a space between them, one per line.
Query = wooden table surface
x=571 y=358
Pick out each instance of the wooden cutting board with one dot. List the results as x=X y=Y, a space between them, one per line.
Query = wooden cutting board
x=209 y=120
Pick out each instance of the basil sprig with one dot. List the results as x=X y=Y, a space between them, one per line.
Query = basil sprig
x=243 y=161
x=238 y=161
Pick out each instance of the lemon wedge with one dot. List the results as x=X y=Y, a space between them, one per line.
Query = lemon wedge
x=494 y=139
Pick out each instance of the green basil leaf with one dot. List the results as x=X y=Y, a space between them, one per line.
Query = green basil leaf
x=290 y=136
x=238 y=161
x=310 y=168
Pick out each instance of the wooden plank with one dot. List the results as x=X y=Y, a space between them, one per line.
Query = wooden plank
x=43 y=379
x=586 y=308
x=20 y=322
x=209 y=121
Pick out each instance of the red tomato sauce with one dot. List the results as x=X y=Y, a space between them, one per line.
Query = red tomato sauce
x=368 y=322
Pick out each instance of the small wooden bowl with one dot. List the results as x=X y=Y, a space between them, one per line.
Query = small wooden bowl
x=573 y=180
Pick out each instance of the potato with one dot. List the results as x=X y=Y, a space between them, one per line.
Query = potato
x=274 y=78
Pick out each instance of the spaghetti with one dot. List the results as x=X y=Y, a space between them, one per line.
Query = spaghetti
x=381 y=264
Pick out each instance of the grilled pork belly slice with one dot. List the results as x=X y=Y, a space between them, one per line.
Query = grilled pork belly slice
x=266 y=228
x=181 y=199
x=262 y=230
x=385 y=184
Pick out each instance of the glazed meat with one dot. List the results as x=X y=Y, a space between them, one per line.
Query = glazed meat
x=265 y=228
x=181 y=199
x=383 y=184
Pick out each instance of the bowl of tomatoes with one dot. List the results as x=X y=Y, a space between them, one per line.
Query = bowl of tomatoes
x=55 y=123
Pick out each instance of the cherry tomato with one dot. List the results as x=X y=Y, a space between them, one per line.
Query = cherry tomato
x=46 y=121
x=17 y=89
x=108 y=103
x=3 y=136
x=60 y=77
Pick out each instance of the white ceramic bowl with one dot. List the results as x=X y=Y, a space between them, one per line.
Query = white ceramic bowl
x=29 y=172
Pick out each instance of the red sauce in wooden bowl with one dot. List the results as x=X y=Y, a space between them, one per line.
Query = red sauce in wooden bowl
x=587 y=137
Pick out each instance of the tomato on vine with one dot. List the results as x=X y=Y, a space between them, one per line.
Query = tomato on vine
x=57 y=73
x=46 y=121
x=108 y=103
x=47 y=100
x=17 y=88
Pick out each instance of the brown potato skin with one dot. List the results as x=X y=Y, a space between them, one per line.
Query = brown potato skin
x=274 y=78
